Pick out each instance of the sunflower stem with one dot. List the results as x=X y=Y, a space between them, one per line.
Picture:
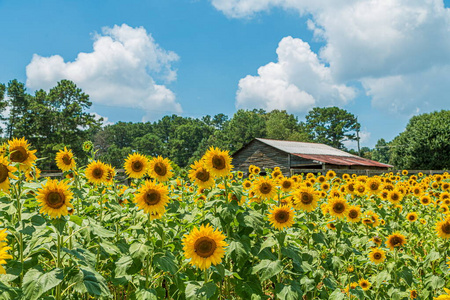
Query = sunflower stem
x=206 y=276
x=58 y=264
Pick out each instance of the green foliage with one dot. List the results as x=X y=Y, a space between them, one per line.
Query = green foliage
x=381 y=152
x=332 y=126
x=424 y=144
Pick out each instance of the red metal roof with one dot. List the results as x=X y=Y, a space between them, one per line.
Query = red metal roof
x=343 y=160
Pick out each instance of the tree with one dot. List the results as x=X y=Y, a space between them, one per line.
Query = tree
x=332 y=126
x=425 y=143
x=18 y=103
x=3 y=104
x=381 y=152
x=283 y=126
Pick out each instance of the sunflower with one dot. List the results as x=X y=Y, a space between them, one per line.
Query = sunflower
x=444 y=297
x=264 y=188
x=404 y=172
x=377 y=256
x=110 y=174
x=338 y=207
x=325 y=186
x=360 y=189
x=160 y=169
x=371 y=219
x=96 y=172
x=3 y=252
x=218 y=162
x=425 y=199
x=200 y=175
x=286 y=184
x=152 y=197
x=377 y=240
x=281 y=217
x=364 y=284
x=412 y=217
x=32 y=173
x=354 y=213
x=373 y=186
x=54 y=197
x=443 y=228
x=395 y=197
x=350 y=188
x=255 y=170
x=64 y=160
x=240 y=174
x=331 y=225
x=413 y=294
x=6 y=172
x=204 y=246
x=330 y=174
x=87 y=146
x=19 y=153
x=136 y=165
x=305 y=198
x=395 y=240
x=276 y=173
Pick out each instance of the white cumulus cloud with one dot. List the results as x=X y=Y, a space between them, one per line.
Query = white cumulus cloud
x=397 y=49
x=297 y=82
x=121 y=71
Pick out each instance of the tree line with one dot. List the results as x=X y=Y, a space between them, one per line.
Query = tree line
x=57 y=118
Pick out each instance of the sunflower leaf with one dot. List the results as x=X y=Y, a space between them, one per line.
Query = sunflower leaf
x=36 y=283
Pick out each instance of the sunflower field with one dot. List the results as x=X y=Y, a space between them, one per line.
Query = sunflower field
x=210 y=233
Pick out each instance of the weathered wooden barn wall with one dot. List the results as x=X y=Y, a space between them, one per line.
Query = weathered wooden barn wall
x=261 y=155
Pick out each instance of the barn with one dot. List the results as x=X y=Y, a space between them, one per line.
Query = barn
x=297 y=157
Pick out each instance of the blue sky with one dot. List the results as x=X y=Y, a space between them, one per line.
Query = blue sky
x=384 y=61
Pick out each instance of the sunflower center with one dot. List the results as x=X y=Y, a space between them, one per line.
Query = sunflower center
x=361 y=189
x=374 y=186
x=97 y=173
x=351 y=187
x=363 y=284
x=218 y=162
x=265 y=188
x=152 y=197
x=137 y=166
x=412 y=218
x=18 y=154
x=160 y=169
x=55 y=200
x=446 y=228
x=353 y=214
x=282 y=216
x=67 y=160
x=3 y=173
x=396 y=241
x=286 y=184
x=377 y=255
x=338 y=207
x=202 y=175
x=205 y=247
x=306 y=198
x=394 y=197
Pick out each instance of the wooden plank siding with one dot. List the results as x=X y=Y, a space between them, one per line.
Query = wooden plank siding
x=261 y=155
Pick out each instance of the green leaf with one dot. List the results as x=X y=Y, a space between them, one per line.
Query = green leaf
x=198 y=290
x=59 y=224
x=407 y=275
x=382 y=276
x=268 y=268
x=123 y=264
x=319 y=238
x=37 y=220
x=166 y=263
x=435 y=282
x=36 y=283
x=145 y=294
x=100 y=231
x=92 y=283
x=288 y=292
x=76 y=219
x=337 y=295
x=268 y=243
x=139 y=251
